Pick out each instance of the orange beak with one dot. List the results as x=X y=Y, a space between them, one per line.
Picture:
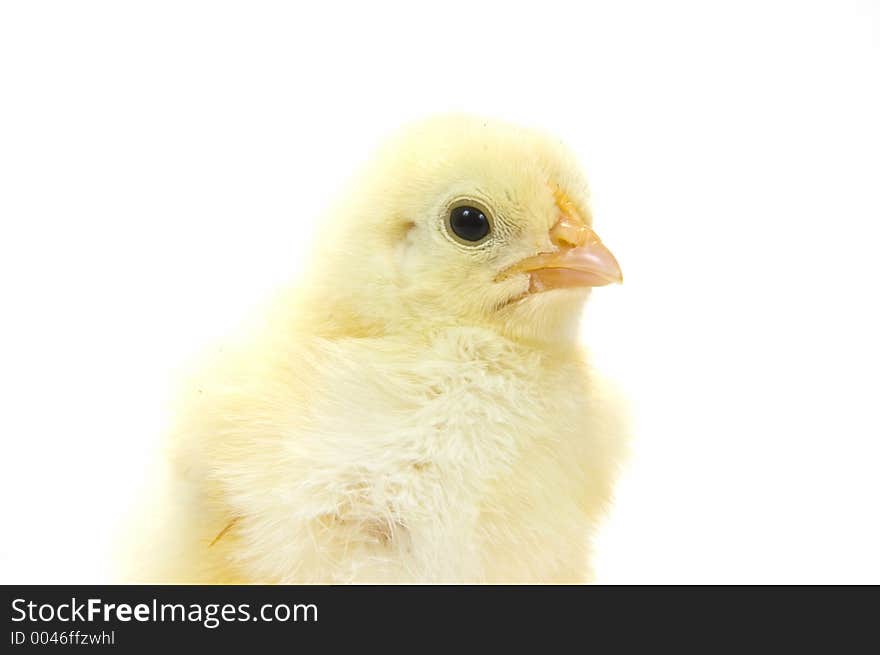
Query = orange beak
x=581 y=259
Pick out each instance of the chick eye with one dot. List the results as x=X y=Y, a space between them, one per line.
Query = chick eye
x=469 y=223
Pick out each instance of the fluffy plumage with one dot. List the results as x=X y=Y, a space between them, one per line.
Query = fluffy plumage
x=418 y=410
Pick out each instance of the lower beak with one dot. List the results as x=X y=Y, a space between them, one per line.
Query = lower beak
x=589 y=264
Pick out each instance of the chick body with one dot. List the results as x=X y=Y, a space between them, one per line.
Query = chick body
x=381 y=436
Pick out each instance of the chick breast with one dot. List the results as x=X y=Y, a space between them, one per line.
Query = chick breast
x=456 y=457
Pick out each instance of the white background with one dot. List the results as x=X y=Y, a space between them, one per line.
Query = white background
x=161 y=165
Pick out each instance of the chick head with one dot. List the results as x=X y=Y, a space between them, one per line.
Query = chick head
x=464 y=221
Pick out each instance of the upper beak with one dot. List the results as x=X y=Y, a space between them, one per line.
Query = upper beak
x=581 y=259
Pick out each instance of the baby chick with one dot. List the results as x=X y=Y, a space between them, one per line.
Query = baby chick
x=418 y=410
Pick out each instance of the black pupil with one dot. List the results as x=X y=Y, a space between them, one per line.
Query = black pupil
x=469 y=223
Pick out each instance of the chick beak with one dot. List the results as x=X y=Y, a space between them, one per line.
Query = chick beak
x=581 y=259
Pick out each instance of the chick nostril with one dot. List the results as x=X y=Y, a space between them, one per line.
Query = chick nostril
x=568 y=233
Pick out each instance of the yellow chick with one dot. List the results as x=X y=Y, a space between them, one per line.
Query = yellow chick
x=419 y=409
